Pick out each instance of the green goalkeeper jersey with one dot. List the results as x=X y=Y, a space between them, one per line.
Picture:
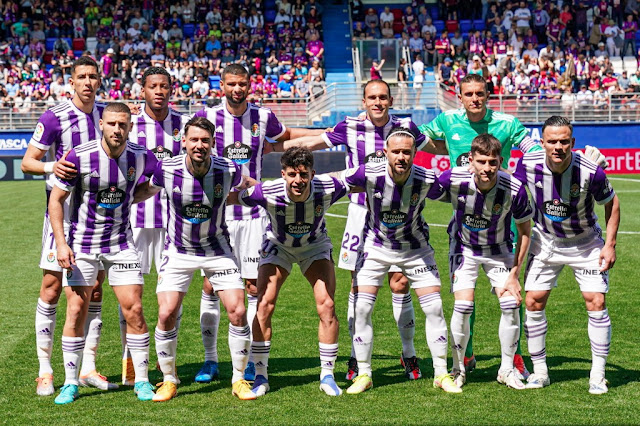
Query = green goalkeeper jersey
x=458 y=132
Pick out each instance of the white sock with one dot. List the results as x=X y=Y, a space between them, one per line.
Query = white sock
x=351 y=307
x=209 y=323
x=92 y=331
x=260 y=351
x=139 y=347
x=406 y=320
x=509 y=330
x=328 y=356
x=363 y=331
x=460 y=330
x=599 y=330
x=72 y=356
x=123 y=334
x=252 y=308
x=45 y=328
x=535 y=329
x=239 y=346
x=179 y=319
x=436 y=331
x=166 y=346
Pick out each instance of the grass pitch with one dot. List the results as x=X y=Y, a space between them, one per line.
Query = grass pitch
x=294 y=364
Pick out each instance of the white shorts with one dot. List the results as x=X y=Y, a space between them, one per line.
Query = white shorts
x=123 y=268
x=463 y=269
x=418 y=266
x=176 y=272
x=150 y=244
x=547 y=257
x=246 y=238
x=304 y=256
x=352 y=238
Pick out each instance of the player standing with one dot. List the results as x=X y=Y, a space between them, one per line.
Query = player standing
x=364 y=139
x=296 y=233
x=198 y=184
x=395 y=233
x=108 y=170
x=241 y=132
x=484 y=199
x=564 y=187
x=68 y=124
x=158 y=128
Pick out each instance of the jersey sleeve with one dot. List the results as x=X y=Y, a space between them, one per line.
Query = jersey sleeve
x=201 y=113
x=275 y=128
x=521 y=139
x=601 y=187
x=439 y=190
x=338 y=136
x=355 y=177
x=157 y=179
x=521 y=172
x=67 y=185
x=340 y=189
x=47 y=131
x=236 y=174
x=149 y=167
x=434 y=129
x=421 y=139
x=252 y=197
x=521 y=207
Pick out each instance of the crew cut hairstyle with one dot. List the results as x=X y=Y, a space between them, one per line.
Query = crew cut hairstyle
x=201 y=123
x=557 y=121
x=117 y=107
x=474 y=78
x=83 y=60
x=155 y=71
x=235 y=69
x=486 y=144
x=296 y=157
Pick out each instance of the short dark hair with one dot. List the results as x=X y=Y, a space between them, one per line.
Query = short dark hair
x=486 y=144
x=83 y=60
x=557 y=121
x=117 y=107
x=234 y=69
x=474 y=78
x=155 y=71
x=296 y=157
x=364 y=90
x=201 y=123
x=402 y=132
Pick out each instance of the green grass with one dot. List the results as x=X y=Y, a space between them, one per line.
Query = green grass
x=294 y=365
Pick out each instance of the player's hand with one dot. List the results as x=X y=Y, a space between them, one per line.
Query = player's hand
x=329 y=129
x=65 y=256
x=64 y=169
x=607 y=258
x=512 y=286
x=594 y=154
x=362 y=115
x=134 y=108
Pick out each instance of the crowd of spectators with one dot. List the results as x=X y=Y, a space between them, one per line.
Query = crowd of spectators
x=551 y=49
x=280 y=44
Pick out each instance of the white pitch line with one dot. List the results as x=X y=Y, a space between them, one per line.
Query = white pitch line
x=624 y=179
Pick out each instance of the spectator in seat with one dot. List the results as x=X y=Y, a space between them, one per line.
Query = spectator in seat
x=372 y=32
x=600 y=52
x=428 y=27
x=371 y=18
x=285 y=87
x=316 y=71
x=386 y=31
x=386 y=16
x=623 y=81
x=416 y=44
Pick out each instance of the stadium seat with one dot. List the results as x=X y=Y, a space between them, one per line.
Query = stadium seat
x=439 y=25
x=433 y=11
x=69 y=41
x=270 y=15
x=465 y=26
x=78 y=53
x=630 y=64
x=616 y=63
x=214 y=82
x=397 y=15
x=452 y=26
x=398 y=27
x=48 y=56
x=270 y=4
x=48 y=44
x=188 y=30
x=78 y=44
x=478 y=24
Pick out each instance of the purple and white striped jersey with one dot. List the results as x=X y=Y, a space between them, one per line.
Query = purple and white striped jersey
x=295 y=224
x=394 y=216
x=196 y=205
x=242 y=140
x=365 y=142
x=63 y=127
x=103 y=195
x=564 y=203
x=164 y=139
x=482 y=222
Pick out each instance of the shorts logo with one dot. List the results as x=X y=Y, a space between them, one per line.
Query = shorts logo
x=238 y=152
x=112 y=197
x=217 y=191
x=393 y=218
x=497 y=208
x=51 y=257
x=376 y=157
x=176 y=134
x=196 y=213
x=161 y=152
x=574 y=191
x=415 y=199
x=463 y=160
x=475 y=223
x=159 y=279
x=319 y=210
x=556 y=210
x=255 y=130
x=38 y=132
x=131 y=174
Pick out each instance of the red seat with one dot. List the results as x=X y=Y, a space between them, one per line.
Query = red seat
x=398 y=27
x=452 y=26
x=397 y=14
x=78 y=44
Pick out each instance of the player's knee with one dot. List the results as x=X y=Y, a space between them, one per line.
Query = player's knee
x=363 y=310
x=265 y=308
x=326 y=310
x=237 y=314
x=534 y=302
x=51 y=288
x=166 y=316
x=75 y=308
x=134 y=316
x=252 y=288
x=434 y=307
x=595 y=302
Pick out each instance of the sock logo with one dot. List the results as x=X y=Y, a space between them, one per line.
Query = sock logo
x=144 y=363
x=410 y=324
x=163 y=354
x=441 y=339
x=259 y=364
x=327 y=364
x=457 y=347
x=242 y=352
x=358 y=341
x=97 y=327
x=207 y=333
x=71 y=365
x=44 y=332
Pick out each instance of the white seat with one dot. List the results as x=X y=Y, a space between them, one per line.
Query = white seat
x=630 y=64
x=617 y=64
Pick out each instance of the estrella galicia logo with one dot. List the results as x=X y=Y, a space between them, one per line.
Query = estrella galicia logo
x=463 y=160
x=556 y=210
x=161 y=152
x=298 y=229
x=196 y=212
x=376 y=157
x=237 y=152
x=393 y=218
x=475 y=223
x=111 y=198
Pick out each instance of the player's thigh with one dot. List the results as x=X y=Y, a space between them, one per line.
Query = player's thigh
x=497 y=268
x=224 y=276
x=463 y=272
x=246 y=241
x=372 y=266
x=175 y=272
x=321 y=275
x=541 y=274
x=270 y=279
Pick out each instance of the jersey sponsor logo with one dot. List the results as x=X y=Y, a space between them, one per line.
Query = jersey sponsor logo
x=318 y=211
x=298 y=229
x=196 y=212
x=217 y=191
x=574 y=191
x=238 y=152
x=393 y=218
x=255 y=130
x=176 y=134
x=38 y=132
x=556 y=210
x=161 y=152
x=415 y=199
x=131 y=174
x=111 y=198
x=475 y=223
x=497 y=208
x=463 y=160
x=376 y=157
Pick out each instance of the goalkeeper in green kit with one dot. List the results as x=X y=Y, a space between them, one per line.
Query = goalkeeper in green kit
x=452 y=132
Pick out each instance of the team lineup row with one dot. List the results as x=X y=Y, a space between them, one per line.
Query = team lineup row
x=206 y=207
